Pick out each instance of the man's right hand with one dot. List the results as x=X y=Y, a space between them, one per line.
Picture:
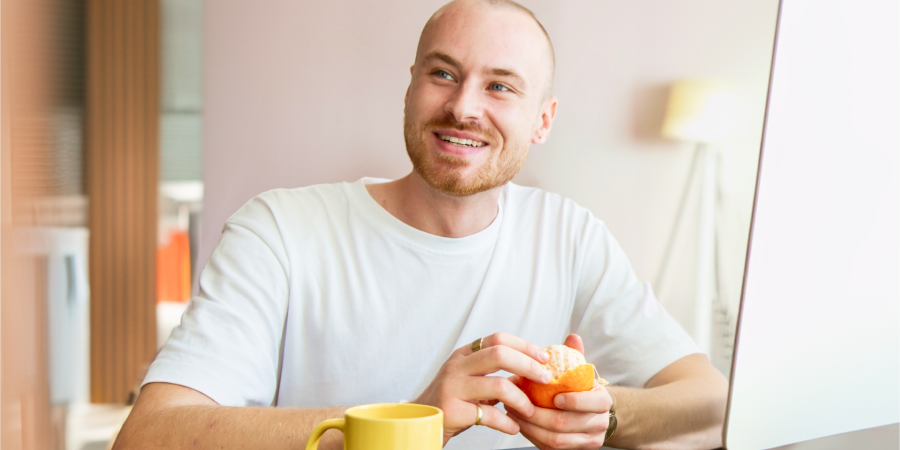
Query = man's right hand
x=462 y=382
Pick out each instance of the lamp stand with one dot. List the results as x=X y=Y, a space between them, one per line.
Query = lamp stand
x=704 y=168
x=706 y=238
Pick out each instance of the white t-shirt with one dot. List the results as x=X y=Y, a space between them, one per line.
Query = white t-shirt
x=318 y=296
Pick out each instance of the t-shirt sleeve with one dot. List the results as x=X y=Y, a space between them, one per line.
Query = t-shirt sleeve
x=627 y=334
x=228 y=343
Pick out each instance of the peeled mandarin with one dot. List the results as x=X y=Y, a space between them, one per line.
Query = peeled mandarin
x=570 y=372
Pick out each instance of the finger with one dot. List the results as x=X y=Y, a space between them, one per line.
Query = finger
x=513 y=342
x=497 y=388
x=537 y=444
x=574 y=341
x=596 y=400
x=565 y=421
x=492 y=417
x=501 y=357
x=555 y=440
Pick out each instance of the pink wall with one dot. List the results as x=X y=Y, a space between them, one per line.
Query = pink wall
x=298 y=93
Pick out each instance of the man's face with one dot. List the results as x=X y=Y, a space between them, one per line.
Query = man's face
x=480 y=79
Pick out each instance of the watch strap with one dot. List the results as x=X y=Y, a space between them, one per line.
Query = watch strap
x=611 y=429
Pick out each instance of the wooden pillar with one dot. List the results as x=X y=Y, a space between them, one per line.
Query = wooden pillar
x=121 y=138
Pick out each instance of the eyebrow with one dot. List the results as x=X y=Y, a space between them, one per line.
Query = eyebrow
x=506 y=73
x=436 y=54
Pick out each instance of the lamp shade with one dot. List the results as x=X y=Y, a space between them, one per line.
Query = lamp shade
x=701 y=111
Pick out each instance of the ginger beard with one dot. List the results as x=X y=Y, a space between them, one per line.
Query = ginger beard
x=444 y=172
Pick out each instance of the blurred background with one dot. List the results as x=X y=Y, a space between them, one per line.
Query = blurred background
x=131 y=130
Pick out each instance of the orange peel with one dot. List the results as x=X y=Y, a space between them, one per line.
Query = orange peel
x=570 y=371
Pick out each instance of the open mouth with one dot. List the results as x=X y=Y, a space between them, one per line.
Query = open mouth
x=461 y=142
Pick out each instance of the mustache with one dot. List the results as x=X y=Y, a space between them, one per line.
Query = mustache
x=448 y=121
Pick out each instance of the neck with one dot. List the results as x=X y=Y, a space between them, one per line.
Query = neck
x=411 y=200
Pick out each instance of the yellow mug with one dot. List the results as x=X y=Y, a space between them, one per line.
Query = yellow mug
x=386 y=426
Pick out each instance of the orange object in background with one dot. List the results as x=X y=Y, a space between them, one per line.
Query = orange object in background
x=570 y=373
x=173 y=269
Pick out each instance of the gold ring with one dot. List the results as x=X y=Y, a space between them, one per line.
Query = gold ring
x=478 y=420
x=476 y=344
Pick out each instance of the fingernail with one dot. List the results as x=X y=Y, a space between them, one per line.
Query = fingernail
x=543 y=355
x=560 y=401
x=546 y=376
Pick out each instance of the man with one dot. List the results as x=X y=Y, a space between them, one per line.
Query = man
x=324 y=297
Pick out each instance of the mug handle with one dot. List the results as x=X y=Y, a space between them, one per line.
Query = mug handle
x=313 y=442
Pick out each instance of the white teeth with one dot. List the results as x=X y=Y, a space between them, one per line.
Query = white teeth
x=458 y=141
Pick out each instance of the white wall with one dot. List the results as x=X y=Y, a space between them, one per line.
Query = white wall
x=297 y=93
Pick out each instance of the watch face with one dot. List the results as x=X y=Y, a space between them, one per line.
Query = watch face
x=612 y=426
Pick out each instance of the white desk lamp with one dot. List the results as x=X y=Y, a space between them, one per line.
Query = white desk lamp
x=700 y=112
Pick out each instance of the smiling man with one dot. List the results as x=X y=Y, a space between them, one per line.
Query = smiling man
x=423 y=288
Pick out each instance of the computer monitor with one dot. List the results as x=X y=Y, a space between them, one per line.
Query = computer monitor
x=818 y=341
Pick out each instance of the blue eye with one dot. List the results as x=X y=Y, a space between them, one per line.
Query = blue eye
x=444 y=75
x=499 y=87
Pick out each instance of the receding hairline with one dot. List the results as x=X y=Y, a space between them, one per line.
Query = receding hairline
x=510 y=4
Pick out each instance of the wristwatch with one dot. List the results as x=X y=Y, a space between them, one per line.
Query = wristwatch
x=611 y=430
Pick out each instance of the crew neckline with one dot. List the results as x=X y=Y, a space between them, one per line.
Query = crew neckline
x=380 y=217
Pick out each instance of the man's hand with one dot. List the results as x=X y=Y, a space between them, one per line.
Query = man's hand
x=462 y=382
x=580 y=422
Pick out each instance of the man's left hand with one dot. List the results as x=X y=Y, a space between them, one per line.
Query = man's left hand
x=580 y=422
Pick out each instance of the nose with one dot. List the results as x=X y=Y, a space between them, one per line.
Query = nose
x=465 y=104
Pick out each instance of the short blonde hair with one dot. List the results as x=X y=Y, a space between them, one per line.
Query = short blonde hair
x=514 y=6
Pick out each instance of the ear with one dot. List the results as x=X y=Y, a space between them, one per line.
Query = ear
x=544 y=122
x=406 y=97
